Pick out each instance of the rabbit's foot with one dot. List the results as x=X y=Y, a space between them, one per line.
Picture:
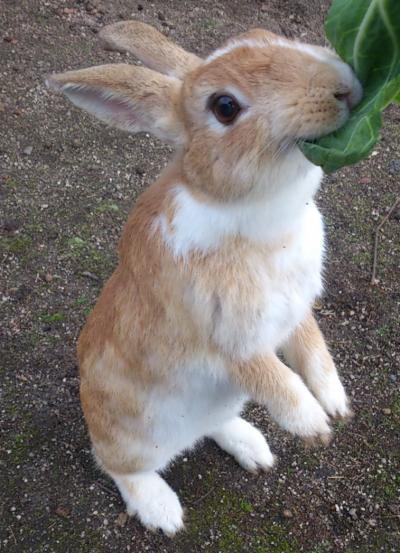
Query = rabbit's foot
x=245 y=443
x=150 y=498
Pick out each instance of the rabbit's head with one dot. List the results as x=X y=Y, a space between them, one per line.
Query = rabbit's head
x=233 y=116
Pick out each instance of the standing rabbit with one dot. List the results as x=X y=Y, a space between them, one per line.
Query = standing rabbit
x=219 y=262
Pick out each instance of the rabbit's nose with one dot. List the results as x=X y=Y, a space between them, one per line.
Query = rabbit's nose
x=345 y=97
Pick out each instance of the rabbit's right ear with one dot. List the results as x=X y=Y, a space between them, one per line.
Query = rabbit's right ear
x=150 y=47
x=131 y=98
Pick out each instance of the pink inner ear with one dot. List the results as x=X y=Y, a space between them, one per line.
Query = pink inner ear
x=111 y=108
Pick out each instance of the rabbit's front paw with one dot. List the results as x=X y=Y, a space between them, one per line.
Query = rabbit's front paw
x=332 y=397
x=304 y=416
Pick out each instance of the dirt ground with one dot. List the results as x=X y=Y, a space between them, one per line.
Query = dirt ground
x=66 y=186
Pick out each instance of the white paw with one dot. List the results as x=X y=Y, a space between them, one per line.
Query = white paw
x=306 y=418
x=246 y=444
x=332 y=397
x=156 y=505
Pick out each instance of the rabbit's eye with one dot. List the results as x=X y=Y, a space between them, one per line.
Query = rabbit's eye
x=225 y=109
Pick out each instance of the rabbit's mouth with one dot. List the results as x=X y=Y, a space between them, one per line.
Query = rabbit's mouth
x=333 y=118
x=323 y=104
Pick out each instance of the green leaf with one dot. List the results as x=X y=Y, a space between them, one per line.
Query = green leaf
x=366 y=35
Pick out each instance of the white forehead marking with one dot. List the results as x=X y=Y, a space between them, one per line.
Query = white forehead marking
x=233 y=44
x=252 y=43
x=306 y=48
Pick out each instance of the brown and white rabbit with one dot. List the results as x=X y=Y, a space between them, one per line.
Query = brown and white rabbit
x=220 y=260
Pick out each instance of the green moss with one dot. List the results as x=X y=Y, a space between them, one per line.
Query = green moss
x=387 y=480
x=11 y=182
x=246 y=506
x=82 y=300
x=208 y=24
x=52 y=318
x=34 y=227
x=232 y=520
x=20 y=445
x=384 y=331
x=76 y=243
x=16 y=244
x=396 y=406
x=362 y=258
x=107 y=207
x=87 y=257
x=340 y=425
x=85 y=303
x=20 y=448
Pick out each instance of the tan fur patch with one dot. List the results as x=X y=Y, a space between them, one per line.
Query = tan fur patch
x=306 y=341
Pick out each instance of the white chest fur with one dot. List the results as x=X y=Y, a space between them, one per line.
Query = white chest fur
x=267 y=293
x=254 y=303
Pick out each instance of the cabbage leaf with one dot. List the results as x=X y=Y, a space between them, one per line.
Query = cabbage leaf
x=366 y=35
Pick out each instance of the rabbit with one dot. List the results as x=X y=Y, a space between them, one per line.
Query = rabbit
x=220 y=261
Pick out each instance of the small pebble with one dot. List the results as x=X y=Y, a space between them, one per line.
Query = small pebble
x=63 y=512
x=394 y=166
x=353 y=513
x=287 y=513
x=28 y=150
x=121 y=520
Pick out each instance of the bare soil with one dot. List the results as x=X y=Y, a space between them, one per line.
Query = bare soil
x=66 y=186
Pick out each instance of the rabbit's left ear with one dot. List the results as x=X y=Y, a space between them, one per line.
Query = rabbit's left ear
x=150 y=46
x=128 y=97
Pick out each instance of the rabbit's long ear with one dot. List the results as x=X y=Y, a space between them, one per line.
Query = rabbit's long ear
x=150 y=47
x=125 y=96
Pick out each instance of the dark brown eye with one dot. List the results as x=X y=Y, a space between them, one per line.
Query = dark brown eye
x=225 y=109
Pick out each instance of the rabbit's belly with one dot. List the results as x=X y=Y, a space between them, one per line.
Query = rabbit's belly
x=204 y=399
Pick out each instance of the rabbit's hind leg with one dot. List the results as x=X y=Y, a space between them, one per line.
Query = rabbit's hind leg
x=133 y=463
x=150 y=498
x=245 y=443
